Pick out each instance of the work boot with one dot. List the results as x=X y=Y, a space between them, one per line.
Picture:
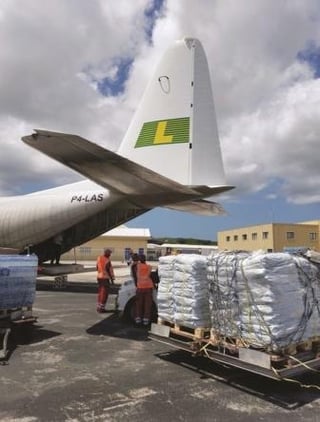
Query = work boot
x=101 y=310
x=137 y=321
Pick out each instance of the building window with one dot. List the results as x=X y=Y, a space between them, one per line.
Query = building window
x=85 y=250
x=235 y=237
x=265 y=235
x=313 y=236
x=244 y=237
x=228 y=238
x=290 y=235
x=254 y=236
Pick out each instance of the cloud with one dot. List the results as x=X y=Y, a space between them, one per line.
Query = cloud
x=45 y=50
x=263 y=59
x=81 y=67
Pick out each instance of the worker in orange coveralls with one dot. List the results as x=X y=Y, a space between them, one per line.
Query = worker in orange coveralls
x=105 y=277
x=144 y=291
x=133 y=268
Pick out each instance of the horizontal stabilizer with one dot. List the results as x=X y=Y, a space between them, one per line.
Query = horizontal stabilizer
x=141 y=186
x=200 y=207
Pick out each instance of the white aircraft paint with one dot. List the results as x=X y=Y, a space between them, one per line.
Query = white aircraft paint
x=170 y=157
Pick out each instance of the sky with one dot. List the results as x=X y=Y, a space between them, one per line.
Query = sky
x=80 y=67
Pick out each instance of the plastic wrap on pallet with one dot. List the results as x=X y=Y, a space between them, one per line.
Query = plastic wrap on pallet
x=223 y=272
x=185 y=289
x=191 y=291
x=269 y=300
x=18 y=275
x=165 y=288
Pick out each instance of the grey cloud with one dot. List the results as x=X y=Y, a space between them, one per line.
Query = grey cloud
x=267 y=101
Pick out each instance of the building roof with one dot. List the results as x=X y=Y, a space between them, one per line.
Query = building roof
x=187 y=246
x=124 y=231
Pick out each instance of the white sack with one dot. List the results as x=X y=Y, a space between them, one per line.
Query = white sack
x=183 y=296
x=267 y=299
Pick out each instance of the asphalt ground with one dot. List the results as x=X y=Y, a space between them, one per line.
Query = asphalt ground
x=80 y=366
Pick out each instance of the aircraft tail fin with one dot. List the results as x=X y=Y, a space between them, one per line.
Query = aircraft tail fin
x=170 y=155
x=174 y=130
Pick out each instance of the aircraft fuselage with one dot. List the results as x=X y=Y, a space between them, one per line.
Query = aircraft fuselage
x=33 y=218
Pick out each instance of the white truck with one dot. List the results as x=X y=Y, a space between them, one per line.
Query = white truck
x=18 y=275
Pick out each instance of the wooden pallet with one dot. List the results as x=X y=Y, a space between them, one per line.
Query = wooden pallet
x=231 y=343
x=234 y=343
x=311 y=344
x=207 y=341
x=8 y=314
x=198 y=333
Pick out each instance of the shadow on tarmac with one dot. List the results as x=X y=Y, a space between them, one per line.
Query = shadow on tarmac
x=73 y=287
x=114 y=326
x=21 y=335
x=287 y=395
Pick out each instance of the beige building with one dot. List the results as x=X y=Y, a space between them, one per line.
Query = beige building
x=273 y=237
x=121 y=240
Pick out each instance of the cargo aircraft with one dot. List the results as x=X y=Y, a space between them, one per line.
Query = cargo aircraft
x=170 y=157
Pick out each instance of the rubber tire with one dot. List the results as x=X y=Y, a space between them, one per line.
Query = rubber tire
x=129 y=312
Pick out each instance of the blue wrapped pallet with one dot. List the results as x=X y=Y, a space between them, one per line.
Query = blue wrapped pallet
x=18 y=275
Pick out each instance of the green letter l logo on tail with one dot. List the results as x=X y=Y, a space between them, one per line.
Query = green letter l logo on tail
x=160 y=132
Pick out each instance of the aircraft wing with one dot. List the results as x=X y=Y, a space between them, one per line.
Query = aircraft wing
x=141 y=185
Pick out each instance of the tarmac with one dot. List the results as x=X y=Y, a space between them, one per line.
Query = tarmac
x=80 y=366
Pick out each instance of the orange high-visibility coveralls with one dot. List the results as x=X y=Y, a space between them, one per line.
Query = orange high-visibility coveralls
x=104 y=276
x=143 y=294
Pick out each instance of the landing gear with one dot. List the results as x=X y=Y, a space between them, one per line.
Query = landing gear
x=60 y=282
